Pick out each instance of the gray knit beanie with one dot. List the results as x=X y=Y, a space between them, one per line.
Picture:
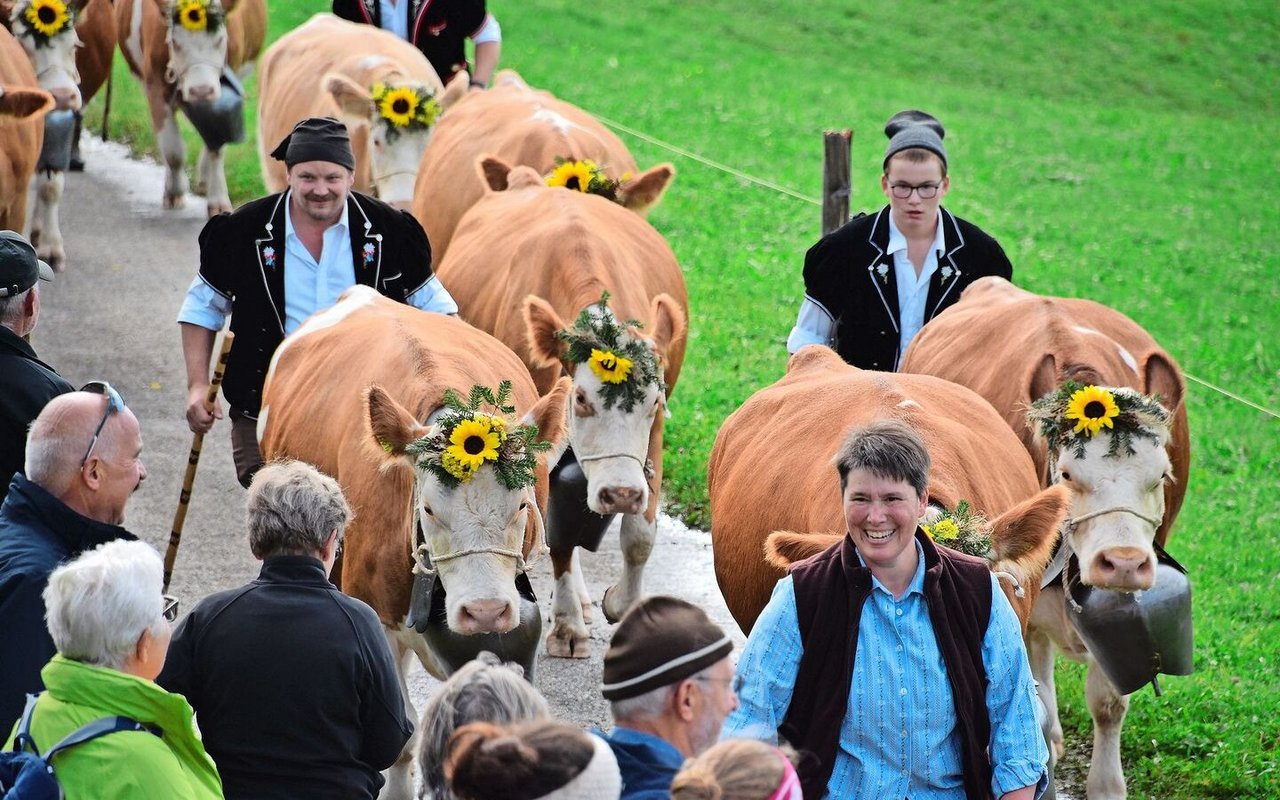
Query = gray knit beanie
x=912 y=128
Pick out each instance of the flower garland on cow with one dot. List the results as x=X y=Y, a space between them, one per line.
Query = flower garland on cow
x=45 y=19
x=198 y=15
x=965 y=530
x=624 y=363
x=1076 y=413
x=585 y=176
x=405 y=108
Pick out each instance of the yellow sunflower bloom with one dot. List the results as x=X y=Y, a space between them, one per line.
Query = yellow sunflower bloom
x=572 y=175
x=47 y=17
x=399 y=106
x=193 y=14
x=473 y=442
x=609 y=366
x=1092 y=408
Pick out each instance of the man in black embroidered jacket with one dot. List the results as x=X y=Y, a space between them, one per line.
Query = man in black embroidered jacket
x=279 y=259
x=871 y=285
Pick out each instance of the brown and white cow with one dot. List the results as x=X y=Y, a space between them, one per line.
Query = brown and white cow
x=771 y=470
x=1013 y=348
x=517 y=125
x=328 y=67
x=347 y=392
x=525 y=262
x=22 y=108
x=177 y=61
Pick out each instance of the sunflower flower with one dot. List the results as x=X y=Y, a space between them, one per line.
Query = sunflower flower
x=473 y=442
x=609 y=366
x=1092 y=407
x=573 y=175
x=47 y=17
x=399 y=105
x=193 y=14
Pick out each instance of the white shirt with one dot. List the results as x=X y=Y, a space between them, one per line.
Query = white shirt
x=913 y=291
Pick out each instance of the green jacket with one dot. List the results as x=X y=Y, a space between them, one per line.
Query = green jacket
x=120 y=766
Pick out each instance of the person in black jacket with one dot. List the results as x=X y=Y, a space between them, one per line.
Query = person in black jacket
x=26 y=382
x=873 y=284
x=279 y=259
x=293 y=684
x=439 y=28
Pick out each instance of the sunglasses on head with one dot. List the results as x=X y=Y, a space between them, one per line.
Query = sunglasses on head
x=170 y=610
x=115 y=404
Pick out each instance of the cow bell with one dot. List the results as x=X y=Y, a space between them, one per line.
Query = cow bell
x=1135 y=636
x=453 y=649
x=59 y=135
x=570 y=523
x=219 y=122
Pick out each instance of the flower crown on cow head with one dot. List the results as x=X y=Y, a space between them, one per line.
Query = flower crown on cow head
x=1075 y=413
x=963 y=529
x=405 y=108
x=626 y=364
x=584 y=176
x=465 y=438
x=45 y=19
x=198 y=15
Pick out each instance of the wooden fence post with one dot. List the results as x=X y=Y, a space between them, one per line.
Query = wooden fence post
x=835 y=179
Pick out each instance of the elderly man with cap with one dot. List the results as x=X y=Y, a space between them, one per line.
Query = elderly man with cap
x=277 y=260
x=26 y=382
x=870 y=286
x=83 y=462
x=670 y=685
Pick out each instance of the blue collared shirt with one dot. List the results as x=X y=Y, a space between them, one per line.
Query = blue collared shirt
x=913 y=290
x=899 y=736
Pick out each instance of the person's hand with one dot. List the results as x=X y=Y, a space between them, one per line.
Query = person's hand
x=199 y=417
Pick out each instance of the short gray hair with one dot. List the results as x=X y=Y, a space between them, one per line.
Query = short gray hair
x=483 y=690
x=292 y=509
x=98 y=605
x=653 y=703
x=889 y=449
x=11 y=307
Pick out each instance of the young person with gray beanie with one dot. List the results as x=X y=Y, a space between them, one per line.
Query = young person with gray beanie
x=871 y=285
x=669 y=680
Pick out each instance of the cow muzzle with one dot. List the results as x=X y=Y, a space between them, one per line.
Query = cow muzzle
x=1126 y=562
x=486 y=616
x=619 y=485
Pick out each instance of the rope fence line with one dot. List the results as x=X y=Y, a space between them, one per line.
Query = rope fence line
x=737 y=173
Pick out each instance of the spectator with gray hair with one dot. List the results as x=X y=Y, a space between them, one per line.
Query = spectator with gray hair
x=293 y=683
x=83 y=462
x=484 y=690
x=111 y=627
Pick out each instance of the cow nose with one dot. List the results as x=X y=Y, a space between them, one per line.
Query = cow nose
x=1127 y=568
x=66 y=98
x=620 y=499
x=201 y=93
x=486 y=616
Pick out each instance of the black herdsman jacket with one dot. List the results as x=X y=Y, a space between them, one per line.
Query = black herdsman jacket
x=293 y=684
x=849 y=274
x=242 y=258
x=26 y=385
x=439 y=28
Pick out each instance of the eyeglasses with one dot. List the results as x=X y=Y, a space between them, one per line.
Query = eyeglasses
x=735 y=683
x=927 y=191
x=115 y=404
x=170 y=610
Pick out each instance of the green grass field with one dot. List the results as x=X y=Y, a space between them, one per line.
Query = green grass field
x=1123 y=154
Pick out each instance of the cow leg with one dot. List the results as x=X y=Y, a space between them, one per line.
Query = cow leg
x=172 y=148
x=44 y=225
x=398 y=783
x=1108 y=708
x=200 y=186
x=215 y=181
x=568 y=636
x=1040 y=654
x=637 y=537
x=580 y=585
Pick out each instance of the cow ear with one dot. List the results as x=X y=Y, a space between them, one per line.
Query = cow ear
x=22 y=103
x=643 y=192
x=784 y=548
x=229 y=5
x=457 y=89
x=509 y=77
x=669 y=323
x=1044 y=379
x=549 y=415
x=391 y=426
x=1163 y=380
x=541 y=324
x=493 y=172
x=354 y=101
x=1026 y=533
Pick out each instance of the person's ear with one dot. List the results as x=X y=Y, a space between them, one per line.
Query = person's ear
x=91 y=472
x=685 y=700
x=142 y=647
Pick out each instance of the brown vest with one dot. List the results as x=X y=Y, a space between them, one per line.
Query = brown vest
x=957 y=590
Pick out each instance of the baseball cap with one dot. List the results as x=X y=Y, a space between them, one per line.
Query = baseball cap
x=20 y=268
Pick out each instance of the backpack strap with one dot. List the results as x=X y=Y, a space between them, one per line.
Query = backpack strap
x=99 y=727
x=22 y=741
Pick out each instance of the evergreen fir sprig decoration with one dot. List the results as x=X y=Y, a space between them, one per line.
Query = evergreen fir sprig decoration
x=466 y=438
x=625 y=364
x=1069 y=417
x=962 y=529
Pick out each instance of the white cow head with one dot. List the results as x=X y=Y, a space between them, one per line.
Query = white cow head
x=618 y=392
x=479 y=528
x=197 y=40
x=400 y=115
x=1109 y=446
x=47 y=31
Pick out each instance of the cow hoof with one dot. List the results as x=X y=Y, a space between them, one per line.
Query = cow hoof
x=34 y=237
x=610 y=605
x=567 y=644
x=173 y=202
x=219 y=208
x=588 y=611
x=57 y=259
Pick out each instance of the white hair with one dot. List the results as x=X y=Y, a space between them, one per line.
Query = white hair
x=11 y=308
x=653 y=703
x=98 y=605
x=52 y=449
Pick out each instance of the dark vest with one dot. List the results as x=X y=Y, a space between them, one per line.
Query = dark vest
x=957 y=590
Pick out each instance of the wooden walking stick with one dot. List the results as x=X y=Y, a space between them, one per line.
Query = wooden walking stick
x=193 y=460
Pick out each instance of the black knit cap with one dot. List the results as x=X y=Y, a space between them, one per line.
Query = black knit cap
x=660 y=641
x=316 y=139
x=912 y=128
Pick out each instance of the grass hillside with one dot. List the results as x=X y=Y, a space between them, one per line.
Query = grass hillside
x=1120 y=153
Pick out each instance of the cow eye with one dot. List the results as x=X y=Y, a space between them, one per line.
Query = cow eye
x=1066 y=476
x=426 y=509
x=581 y=405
